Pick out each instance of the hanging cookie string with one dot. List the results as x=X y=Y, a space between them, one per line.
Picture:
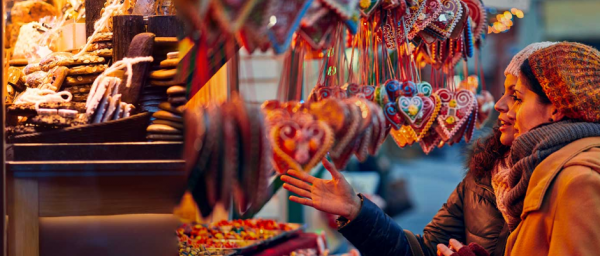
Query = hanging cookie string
x=102 y=23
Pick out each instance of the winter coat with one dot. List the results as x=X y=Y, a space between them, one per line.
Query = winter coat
x=469 y=215
x=562 y=205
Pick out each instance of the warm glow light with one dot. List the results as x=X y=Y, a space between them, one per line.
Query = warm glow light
x=520 y=14
x=509 y=23
x=502 y=27
x=514 y=11
x=508 y=15
x=490 y=29
x=497 y=26
x=499 y=17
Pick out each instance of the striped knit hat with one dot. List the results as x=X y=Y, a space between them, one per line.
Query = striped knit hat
x=514 y=67
x=570 y=76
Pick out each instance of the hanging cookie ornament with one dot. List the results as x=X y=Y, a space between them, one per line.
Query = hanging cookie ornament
x=232 y=14
x=363 y=91
x=430 y=12
x=367 y=7
x=449 y=16
x=431 y=139
x=403 y=137
x=457 y=32
x=456 y=109
x=379 y=127
x=394 y=119
x=343 y=8
x=408 y=20
x=319 y=33
x=300 y=146
x=472 y=122
x=431 y=108
x=285 y=21
x=478 y=18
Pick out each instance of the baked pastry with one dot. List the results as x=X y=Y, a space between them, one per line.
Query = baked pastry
x=16 y=78
x=87 y=69
x=32 y=10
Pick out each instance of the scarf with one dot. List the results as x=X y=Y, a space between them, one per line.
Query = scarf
x=501 y=188
x=530 y=149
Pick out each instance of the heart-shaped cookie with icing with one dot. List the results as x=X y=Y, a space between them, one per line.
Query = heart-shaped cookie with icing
x=392 y=116
x=409 y=104
x=362 y=91
x=444 y=24
x=299 y=147
x=471 y=123
x=430 y=12
x=431 y=139
x=456 y=109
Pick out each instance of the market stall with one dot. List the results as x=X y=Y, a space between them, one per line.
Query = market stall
x=114 y=109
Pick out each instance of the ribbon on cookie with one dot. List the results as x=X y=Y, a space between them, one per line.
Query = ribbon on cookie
x=39 y=96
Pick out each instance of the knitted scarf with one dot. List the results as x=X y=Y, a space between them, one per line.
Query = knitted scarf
x=531 y=148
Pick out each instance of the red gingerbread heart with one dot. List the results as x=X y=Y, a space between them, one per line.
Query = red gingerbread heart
x=430 y=13
x=472 y=122
x=478 y=16
x=444 y=24
x=300 y=147
x=456 y=108
x=429 y=113
x=430 y=140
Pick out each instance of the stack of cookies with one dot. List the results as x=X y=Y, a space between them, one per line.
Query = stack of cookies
x=160 y=79
x=51 y=116
x=101 y=45
x=167 y=124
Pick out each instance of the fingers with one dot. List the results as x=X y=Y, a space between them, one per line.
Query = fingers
x=300 y=192
x=295 y=182
x=302 y=176
x=303 y=201
x=443 y=250
x=335 y=174
x=455 y=245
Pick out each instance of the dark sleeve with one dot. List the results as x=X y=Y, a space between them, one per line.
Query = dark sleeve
x=374 y=233
x=447 y=223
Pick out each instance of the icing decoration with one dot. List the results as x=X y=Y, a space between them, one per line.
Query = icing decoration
x=468 y=40
x=300 y=146
x=431 y=109
x=456 y=108
x=478 y=17
x=409 y=19
x=408 y=88
x=363 y=91
x=392 y=88
x=431 y=139
x=410 y=107
x=284 y=22
x=460 y=25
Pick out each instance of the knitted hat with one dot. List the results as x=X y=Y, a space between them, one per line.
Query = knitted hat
x=570 y=76
x=514 y=66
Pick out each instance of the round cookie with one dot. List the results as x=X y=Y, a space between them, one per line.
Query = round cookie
x=168 y=63
x=176 y=90
x=177 y=101
x=167 y=106
x=164 y=83
x=163 y=74
x=80 y=80
x=169 y=123
x=107 y=53
x=167 y=116
x=162 y=129
x=102 y=37
x=99 y=46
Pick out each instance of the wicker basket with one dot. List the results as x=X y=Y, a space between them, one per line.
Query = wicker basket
x=130 y=129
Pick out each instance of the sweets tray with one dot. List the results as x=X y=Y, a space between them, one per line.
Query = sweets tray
x=251 y=246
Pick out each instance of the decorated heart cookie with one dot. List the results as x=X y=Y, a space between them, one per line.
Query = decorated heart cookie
x=363 y=91
x=392 y=88
x=300 y=147
x=344 y=137
x=316 y=35
x=379 y=128
x=428 y=115
x=409 y=20
x=449 y=16
x=430 y=140
x=410 y=107
x=285 y=21
x=322 y=92
x=456 y=109
x=430 y=13
x=472 y=122
x=478 y=17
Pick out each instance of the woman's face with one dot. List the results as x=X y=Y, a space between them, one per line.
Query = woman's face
x=527 y=110
x=502 y=106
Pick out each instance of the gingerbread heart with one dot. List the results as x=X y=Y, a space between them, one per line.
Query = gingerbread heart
x=344 y=137
x=285 y=21
x=472 y=122
x=410 y=107
x=300 y=147
x=450 y=15
x=381 y=98
x=460 y=25
x=361 y=150
x=392 y=88
x=456 y=109
x=408 y=89
x=409 y=20
x=326 y=92
x=478 y=17
x=364 y=91
x=424 y=88
x=393 y=117
x=430 y=13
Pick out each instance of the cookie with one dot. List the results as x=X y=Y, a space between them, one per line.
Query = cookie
x=169 y=123
x=55 y=59
x=102 y=53
x=162 y=129
x=58 y=76
x=99 y=46
x=172 y=55
x=163 y=74
x=167 y=106
x=18 y=62
x=168 y=63
x=81 y=60
x=80 y=80
x=102 y=37
x=32 y=68
x=176 y=90
x=79 y=98
x=164 y=137
x=28 y=109
x=78 y=89
x=167 y=116
x=164 y=83
x=178 y=101
x=19 y=129
x=52 y=79
x=87 y=69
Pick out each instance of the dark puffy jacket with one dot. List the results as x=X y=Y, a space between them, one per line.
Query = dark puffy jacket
x=469 y=215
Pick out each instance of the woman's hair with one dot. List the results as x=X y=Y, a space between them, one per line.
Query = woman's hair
x=532 y=83
x=486 y=153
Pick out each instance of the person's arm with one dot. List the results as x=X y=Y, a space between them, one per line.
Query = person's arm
x=447 y=223
x=374 y=233
x=575 y=231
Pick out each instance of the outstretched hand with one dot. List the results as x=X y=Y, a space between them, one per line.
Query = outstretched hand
x=334 y=196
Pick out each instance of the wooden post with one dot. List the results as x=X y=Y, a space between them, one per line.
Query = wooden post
x=165 y=26
x=3 y=223
x=92 y=14
x=125 y=28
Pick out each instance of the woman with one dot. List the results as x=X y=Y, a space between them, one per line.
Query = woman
x=553 y=186
x=470 y=214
